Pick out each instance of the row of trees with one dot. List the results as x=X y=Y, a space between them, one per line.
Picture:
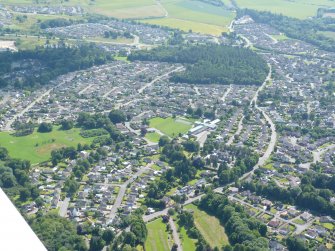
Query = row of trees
x=307 y=196
x=305 y=30
x=244 y=232
x=186 y=220
x=209 y=64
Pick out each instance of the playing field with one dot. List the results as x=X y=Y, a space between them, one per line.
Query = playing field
x=170 y=126
x=158 y=238
x=297 y=8
x=38 y=146
x=209 y=227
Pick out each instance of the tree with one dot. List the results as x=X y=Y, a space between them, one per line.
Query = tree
x=56 y=232
x=45 y=127
x=117 y=116
x=296 y=244
x=67 y=124
x=96 y=243
x=191 y=146
x=108 y=235
x=164 y=140
x=71 y=186
x=3 y=153
x=24 y=194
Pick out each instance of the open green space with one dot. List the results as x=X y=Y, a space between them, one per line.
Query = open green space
x=186 y=242
x=330 y=34
x=209 y=227
x=37 y=147
x=153 y=137
x=170 y=126
x=297 y=8
x=182 y=14
x=158 y=237
x=115 y=8
x=194 y=15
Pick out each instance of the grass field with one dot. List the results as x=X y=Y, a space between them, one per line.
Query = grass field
x=296 y=8
x=187 y=243
x=38 y=146
x=183 y=14
x=153 y=137
x=194 y=15
x=330 y=34
x=186 y=25
x=170 y=126
x=158 y=238
x=209 y=227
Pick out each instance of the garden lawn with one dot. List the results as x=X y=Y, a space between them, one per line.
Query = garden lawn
x=153 y=137
x=169 y=126
x=37 y=147
x=209 y=227
x=158 y=238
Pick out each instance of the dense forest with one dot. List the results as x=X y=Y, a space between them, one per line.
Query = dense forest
x=58 y=233
x=305 y=30
x=31 y=68
x=210 y=64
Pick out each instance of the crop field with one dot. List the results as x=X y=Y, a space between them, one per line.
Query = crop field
x=297 y=8
x=194 y=15
x=37 y=147
x=186 y=25
x=158 y=238
x=182 y=14
x=114 y=8
x=209 y=227
x=170 y=126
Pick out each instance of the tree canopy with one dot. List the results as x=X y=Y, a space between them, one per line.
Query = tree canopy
x=210 y=64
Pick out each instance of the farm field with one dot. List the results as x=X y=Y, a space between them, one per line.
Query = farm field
x=194 y=15
x=330 y=34
x=38 y=146
x=209 y=227
x=182 y=14
x=186 y=25
x=158 y=238
x=115 y=8
x=289 y=8
x=170 y=126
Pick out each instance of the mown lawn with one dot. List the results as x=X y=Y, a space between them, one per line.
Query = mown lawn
x=158 y=238
x=170 y=126
x=37 y=147
x=209 y=227
x=153 y=137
